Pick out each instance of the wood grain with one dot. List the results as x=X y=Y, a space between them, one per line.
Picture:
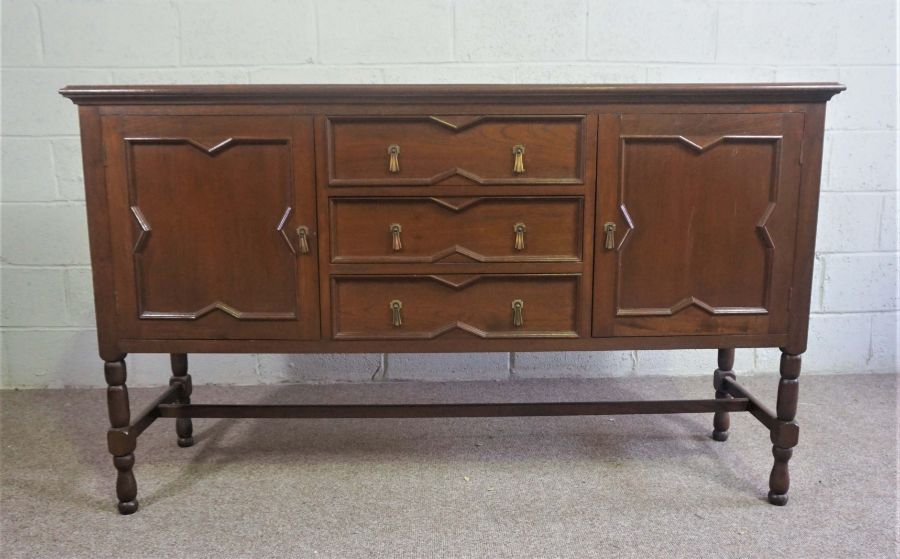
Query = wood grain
x=455 y=149
x=454 y=229
x=457 y=306
x=205 y=212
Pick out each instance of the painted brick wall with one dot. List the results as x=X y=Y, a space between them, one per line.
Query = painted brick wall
x=47 y=319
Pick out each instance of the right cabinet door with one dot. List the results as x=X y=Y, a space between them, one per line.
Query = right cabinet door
x=696 y=223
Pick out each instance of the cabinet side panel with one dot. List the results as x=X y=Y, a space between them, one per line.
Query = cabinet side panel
x=99 y=232
x=804 y=259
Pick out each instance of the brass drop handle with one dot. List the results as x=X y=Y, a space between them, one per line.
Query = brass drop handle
x=517 y=306
x=610 y=229
x=395 y=230
x=396 y=319
x=519 y=228
x=303 y=239
x=518 y=159
x=394 y=154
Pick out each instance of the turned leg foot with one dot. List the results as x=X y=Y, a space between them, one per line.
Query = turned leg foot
x=126 y=486
x=721 y=419
x=785 y=431
x=778 y=500
x=779 y=480
x=720 y=435
x=184 y=428
x=121 y=446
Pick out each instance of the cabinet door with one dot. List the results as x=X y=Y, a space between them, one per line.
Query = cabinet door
x=704 y=208
x=204 y=218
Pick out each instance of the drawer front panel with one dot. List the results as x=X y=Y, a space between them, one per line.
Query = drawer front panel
x=466 y=306
x=430 y=230
x=455 y=149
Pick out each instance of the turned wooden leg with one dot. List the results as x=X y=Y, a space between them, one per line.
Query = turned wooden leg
x=183 y=426
x=785 y=432
x=721 y=421
x=119 y=418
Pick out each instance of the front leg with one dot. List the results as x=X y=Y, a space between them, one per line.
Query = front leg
x=122 y=451
x=785 y=431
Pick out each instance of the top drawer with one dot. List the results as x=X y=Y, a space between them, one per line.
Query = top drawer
x=460 y=149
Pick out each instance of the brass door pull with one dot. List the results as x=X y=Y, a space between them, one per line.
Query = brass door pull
x=396 y=319
x=519 y=159
x=610 y=229
x=394 y=153
x=519 y=228
x=517 y=306
x=395 y=230
x=303 y=239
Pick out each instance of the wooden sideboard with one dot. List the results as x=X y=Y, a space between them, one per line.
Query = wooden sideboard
x=451 y=219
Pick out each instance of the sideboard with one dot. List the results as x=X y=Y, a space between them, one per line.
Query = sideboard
x=469 y=218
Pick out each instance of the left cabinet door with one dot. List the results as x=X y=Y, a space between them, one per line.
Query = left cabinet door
x=213 y=226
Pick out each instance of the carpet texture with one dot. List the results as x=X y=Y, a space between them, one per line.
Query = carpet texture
x=614 y=487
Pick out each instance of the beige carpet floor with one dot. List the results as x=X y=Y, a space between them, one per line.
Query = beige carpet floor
x=626 y=486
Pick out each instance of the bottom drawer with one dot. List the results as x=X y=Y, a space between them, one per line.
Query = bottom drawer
x=425 y=307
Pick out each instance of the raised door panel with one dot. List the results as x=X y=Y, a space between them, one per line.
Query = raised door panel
x=704 y=209
x=205 y=214
x=455 y=149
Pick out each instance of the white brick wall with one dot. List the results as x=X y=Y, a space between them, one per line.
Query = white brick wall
x=47 y=312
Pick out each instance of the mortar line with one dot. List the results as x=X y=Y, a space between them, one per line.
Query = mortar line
x=453 y=30
x=40 y=22
x=178 y=33
x=317 y=28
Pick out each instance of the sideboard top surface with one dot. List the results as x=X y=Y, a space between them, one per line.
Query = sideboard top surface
x=536 y=93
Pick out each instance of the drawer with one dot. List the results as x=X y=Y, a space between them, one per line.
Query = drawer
x=426 y=307
x=397 y=230
x=425 y=150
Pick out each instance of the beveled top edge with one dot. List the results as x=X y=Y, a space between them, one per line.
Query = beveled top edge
x=462 y=93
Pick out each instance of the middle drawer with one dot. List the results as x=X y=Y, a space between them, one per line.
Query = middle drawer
x=454 y=229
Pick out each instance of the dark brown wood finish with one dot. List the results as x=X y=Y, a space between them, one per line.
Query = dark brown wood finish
x=206 y=213
x=441 y=94
x=467 y=232
x=384 y=411
x=456 y=306
x=98 y=216
x=785 y=431
x=451 y=219
x=454 y=149
x=707 y=201
x=119 y=418
x=456 y=230
x=721 y=420
x=180 y=377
